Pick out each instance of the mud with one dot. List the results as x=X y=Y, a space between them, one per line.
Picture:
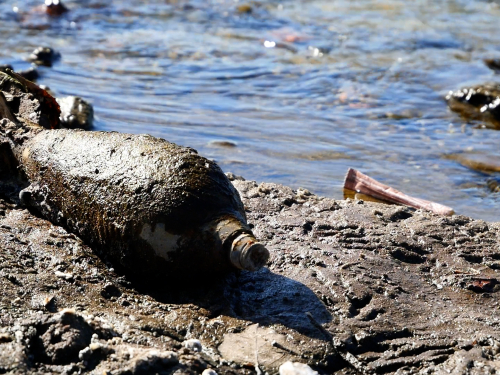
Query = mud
x=352 y=287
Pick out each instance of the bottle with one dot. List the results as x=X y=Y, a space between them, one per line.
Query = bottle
x=147 y=205
x=152 y=209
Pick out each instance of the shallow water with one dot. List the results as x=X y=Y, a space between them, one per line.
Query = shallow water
x=302 y=89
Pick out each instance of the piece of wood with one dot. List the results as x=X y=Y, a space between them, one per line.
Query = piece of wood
x=363 y=184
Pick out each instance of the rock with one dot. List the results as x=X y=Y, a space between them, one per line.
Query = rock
x=31 y=74
x=27 y=102
x=257 y=344
x=45 y=56
x=222 y=144
x=477 y=162
x=55 y=7
x=480 y=102
x=193 y=344
x=75 y=112
x=296 y=368
x=5 y=67
x=493 y=64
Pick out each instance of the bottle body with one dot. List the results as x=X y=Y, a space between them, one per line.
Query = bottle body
x=147 y=205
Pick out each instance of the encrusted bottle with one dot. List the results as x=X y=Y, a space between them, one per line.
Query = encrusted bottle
x=152 y=208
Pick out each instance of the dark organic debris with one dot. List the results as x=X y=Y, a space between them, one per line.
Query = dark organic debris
x=483 y=285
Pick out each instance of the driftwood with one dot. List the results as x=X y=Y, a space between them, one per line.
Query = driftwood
x=361 y=183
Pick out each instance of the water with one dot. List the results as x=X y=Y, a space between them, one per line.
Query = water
x=303 y=89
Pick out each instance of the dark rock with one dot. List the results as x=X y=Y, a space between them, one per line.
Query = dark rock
x=480 y=103
x=55 y=7
x=493 y=64
x=31 y=74
x=5 y=67
x=45 y=56
x=60 y=338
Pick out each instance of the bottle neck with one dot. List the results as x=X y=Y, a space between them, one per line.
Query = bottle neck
x=244 y=251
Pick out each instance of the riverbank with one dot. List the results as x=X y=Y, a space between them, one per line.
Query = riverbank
x=352 y=287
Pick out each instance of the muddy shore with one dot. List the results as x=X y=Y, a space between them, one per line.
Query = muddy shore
x=352 y=287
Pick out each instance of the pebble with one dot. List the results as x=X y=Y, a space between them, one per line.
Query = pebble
x=208 y=371
x=296 y=368
x=62 y=275
x=193 y=344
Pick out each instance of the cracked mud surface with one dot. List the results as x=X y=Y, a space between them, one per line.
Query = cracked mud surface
x=352 y=287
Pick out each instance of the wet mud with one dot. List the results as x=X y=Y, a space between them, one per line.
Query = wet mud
x=352 y=287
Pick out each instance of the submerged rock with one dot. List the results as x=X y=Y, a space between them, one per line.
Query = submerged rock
x=480 y=102
x=31 y=74
x=493 y=64
x=55 y=7
x=45 y=56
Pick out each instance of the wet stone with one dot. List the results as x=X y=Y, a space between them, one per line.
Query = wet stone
x=480 y=103
x=493 y=64
x=45 y=56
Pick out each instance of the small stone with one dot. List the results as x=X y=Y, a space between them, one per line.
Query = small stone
x=84 y=354
x=193 y=344
x=208 y=371
x=63 y=275
x=296 y=368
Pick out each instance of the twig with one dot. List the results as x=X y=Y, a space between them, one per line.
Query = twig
x=363 y=184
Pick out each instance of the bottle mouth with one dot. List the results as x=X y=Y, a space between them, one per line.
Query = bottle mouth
x=247 y=253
